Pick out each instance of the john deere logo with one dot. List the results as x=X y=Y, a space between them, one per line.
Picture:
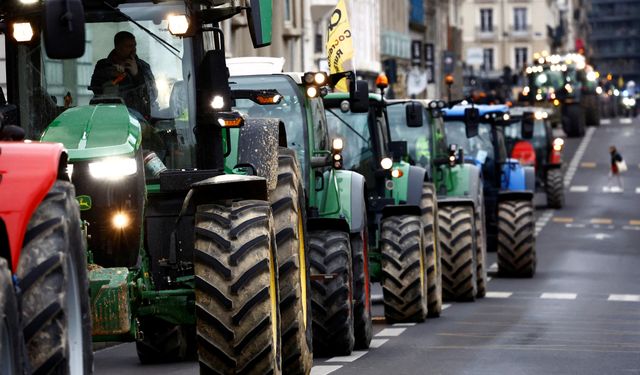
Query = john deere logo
x=84 y=201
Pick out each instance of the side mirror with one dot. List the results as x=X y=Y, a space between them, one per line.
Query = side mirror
x=259 y=17
x=528 y=121
x=471 y=121
x=359 y=94
x=413 y=112
x=64 y=36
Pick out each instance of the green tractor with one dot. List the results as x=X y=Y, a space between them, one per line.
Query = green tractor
x=335 y=211
x=401 y=205
x=183 y=255
x=459 y=222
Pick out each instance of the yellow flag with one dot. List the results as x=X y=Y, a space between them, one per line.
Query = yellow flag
x=340 y=43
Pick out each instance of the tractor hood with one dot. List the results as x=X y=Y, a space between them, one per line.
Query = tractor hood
x=95 y=131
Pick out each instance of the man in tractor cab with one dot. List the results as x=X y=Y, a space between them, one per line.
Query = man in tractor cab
x=125 y=75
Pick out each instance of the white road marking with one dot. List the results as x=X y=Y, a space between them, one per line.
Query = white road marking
x=543 y=220
x=570 y=225
x=446 y=306
x=404 y=324
x=498 y=294
x=390 y=332
x=376 y=343
x=488 y=278
x=324 y=370
x=625 y=121
x=624 y=297
x=638 y=190
x=575 y=161
x=605 y=121
x=631 y=227
x=579 y=189
x=348 y=358
x=558 y=296
x=612 y=189
x=601 y=236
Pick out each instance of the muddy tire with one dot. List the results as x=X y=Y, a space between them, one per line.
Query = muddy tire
x=52 y=270
x=287 y=204
x=555 y=188
x=516 y=239
x=10 y=337
x=333 y=329
x=165 y=342
x=236 y=287
x=481 y=248
x=404 y=269
x=429 y=207
x=362 y=322
x=458 y=239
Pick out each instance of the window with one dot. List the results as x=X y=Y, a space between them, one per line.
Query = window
x=486 y=20
x=288 y=11
x=519 y=19
x=521 y=57
x=487 y=59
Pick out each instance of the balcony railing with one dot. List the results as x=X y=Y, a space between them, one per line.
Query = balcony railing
x=520 y=32
x=486 y=34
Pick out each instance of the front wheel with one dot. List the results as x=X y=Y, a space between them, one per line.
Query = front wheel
x=554 y=187
x=429 y=207
x=516 y=239
x=52 y=268
x=10 y=353
x=459 y=264
x=236 y=287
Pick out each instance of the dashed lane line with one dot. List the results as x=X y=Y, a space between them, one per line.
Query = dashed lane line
x=558 y=296
x=390 y=332
x=624 y=297
x=446 y=306
x=404 y=324
x=625 y=121
x=376 y=343
x=543 y=220
x=498 y=294
x=348 y=358
x=558 y=219
x=575 y=161
x=579 y=189
x=601 y=221
x=612 y=189
x=588 y=164
x=324 y=370
x=634 y=222
x=605 y=121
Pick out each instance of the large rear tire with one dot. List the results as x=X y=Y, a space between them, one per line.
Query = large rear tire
x=554 y=187
x=165 y=342
x=516 y=239
x=52 y=271
x=429 y=209
x=237 y=312
x=333 y=329
x=481 y=246
x=287 y=204
x=404 y=269
x=573 y=120
x=10 y=338
x=459 y=264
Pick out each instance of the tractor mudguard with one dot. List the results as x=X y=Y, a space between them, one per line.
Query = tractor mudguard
x=27 y=173
x=227 y=186
x=417 y=176
x=515 y=195
x=258 y=142
x=457 y=201
x=463 y=180
x=338 y=201
x=96 y=131
x=403 y=209
x=516 y=177
x=552 y=166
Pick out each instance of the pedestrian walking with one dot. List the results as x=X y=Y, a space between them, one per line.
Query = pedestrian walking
x=618 y=166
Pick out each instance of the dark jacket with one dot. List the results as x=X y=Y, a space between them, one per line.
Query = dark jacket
x=138 y=92
x=615 y=157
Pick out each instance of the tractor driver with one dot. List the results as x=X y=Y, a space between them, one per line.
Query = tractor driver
x=125 y=75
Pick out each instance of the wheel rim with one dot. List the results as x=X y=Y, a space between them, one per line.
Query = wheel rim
x=6 y=351
x=74 y=321
x=303 y=270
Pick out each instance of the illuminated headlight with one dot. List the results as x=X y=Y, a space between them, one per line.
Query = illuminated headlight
x=178 y=24
x=386 y=163
x=538 y=115
x=28 y=2
x=538 y=97
x=312 y=92
x=120 y=220
x=113 y=168
x=506 y=117
x=616 y=92
x=337 y=144
x=569 y=88
x=632 y=102
x=598 y=90
x=558 y=143
x=22 y=31
x=396 y=173
x=591 y=76
x=217 y=102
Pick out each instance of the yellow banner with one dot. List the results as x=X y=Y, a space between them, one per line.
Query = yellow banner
x=340 y=43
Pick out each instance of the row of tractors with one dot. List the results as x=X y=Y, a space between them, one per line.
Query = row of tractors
x=243 y=223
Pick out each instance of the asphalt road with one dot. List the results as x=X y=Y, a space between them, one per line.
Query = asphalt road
x=580 y=314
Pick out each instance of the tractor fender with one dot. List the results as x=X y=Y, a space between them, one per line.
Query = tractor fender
x=552 y=166
x=530 y=178
x=475 y=183
x=27 y=173
x=227 y=186
x=343 y=198
x=258 y=142
x=517 y=177
x=456 y=201
x=358 y=204
x=417 y=176
x=515 y=195
x=328 y=223
x=402 y=209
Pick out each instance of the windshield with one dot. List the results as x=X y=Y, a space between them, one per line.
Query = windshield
x=353 y=128
x=289 y=110
x=418 y=139
x=479 y=147
x=513 y=132
x=157 y=88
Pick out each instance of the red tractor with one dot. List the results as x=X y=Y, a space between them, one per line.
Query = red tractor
x=45 y=322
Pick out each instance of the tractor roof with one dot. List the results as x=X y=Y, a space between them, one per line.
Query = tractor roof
x=458 y=110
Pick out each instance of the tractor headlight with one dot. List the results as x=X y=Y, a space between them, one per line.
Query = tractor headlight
x=558 y=143
x=386 y=163
x=113 y=168
x=120 y=220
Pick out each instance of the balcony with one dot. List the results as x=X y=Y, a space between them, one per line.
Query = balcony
x=485 y=34
x=522 y=32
